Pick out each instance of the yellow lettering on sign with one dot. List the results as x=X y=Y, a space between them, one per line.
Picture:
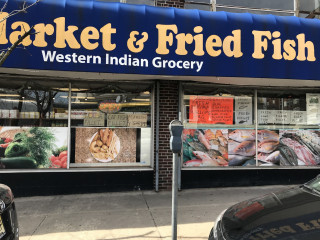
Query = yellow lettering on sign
x=14 y=36
x=3 y=27
x=87 y=34
x=289 y=51
x=212 y=42
x=260 y=43
x=234 y=40
x=42 y=30
x=134 y=45
x=303 y=46
x=164 y=37
x=107 y=31
x=63 y=36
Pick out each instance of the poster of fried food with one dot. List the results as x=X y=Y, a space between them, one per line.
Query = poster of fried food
x=106 y=145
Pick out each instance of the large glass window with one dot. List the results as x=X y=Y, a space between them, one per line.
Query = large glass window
x=111 y=124
x=227 y=127
x=31 y=134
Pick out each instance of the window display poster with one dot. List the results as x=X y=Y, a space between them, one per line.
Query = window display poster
x=211 y=110
x=233 y=147
x=205 y=147
x=243 y=110
x=300 y=147
x=313 y=108
x=106 y=145
x=242 y=147
x=33 y=147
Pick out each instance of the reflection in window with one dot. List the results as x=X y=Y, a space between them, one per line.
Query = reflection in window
x=32 y=104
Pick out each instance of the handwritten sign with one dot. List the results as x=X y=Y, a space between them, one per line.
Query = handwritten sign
x=282 y=116
x=266 y=117
x=117 y=120
x=94 y=119
x=298 y=117
x=313 y=108
x=137 y=120
x=243 y=110
x=211 y=110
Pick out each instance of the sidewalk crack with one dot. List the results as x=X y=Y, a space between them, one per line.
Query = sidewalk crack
x=150 y=212
x=45 y=217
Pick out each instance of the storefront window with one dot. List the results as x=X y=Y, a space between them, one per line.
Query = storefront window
x=111 y=125
x=221 y=129
x=288 y=127
x=214 y=120
x=30 y=134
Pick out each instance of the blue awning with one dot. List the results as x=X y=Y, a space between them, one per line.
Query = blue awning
x=96 y=36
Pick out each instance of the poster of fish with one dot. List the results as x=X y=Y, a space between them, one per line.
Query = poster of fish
x=299 y=147
x=242 y=147
x=205 y=147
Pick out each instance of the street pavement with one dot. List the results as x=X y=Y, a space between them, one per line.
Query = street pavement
x=127 y=215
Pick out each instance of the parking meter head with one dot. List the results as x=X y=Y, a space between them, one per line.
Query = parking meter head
x=176 y=129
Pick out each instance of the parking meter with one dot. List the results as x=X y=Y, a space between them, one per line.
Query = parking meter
x=176 y=129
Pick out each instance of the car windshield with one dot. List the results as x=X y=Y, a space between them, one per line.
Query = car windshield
x=314 y=185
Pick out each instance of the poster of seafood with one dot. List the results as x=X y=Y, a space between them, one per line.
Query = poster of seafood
x=106 y=145
x=205 y=147
x=299 y=147
x=33 y=147
x=242 y=147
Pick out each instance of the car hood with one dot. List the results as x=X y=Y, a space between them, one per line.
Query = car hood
x=6 y=194
x=274 y=216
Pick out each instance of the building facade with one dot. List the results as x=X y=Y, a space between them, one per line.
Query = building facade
x=86 y=105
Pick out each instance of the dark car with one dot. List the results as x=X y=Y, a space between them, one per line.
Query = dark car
x=9 y=229
x=291 y=214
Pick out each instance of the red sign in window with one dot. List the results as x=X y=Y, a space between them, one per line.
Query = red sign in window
x=211 y=110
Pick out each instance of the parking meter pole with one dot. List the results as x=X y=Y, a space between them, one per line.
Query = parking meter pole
x=174 y=195
x=176 y=129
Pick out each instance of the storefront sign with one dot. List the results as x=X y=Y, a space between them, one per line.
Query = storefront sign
x=211 y=110
x=174 y=42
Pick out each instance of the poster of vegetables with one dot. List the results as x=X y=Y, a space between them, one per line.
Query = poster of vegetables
x=300 y=147
x=33 y=147
x=106 y=145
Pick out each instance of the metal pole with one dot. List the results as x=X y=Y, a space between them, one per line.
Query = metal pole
x=157 y=133
x=69 y=126
x=175 y=172
x=256 y=121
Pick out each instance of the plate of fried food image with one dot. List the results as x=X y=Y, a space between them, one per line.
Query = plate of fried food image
x=104 y=145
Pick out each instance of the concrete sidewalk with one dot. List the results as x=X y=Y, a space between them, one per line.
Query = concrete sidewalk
x=129 y=215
